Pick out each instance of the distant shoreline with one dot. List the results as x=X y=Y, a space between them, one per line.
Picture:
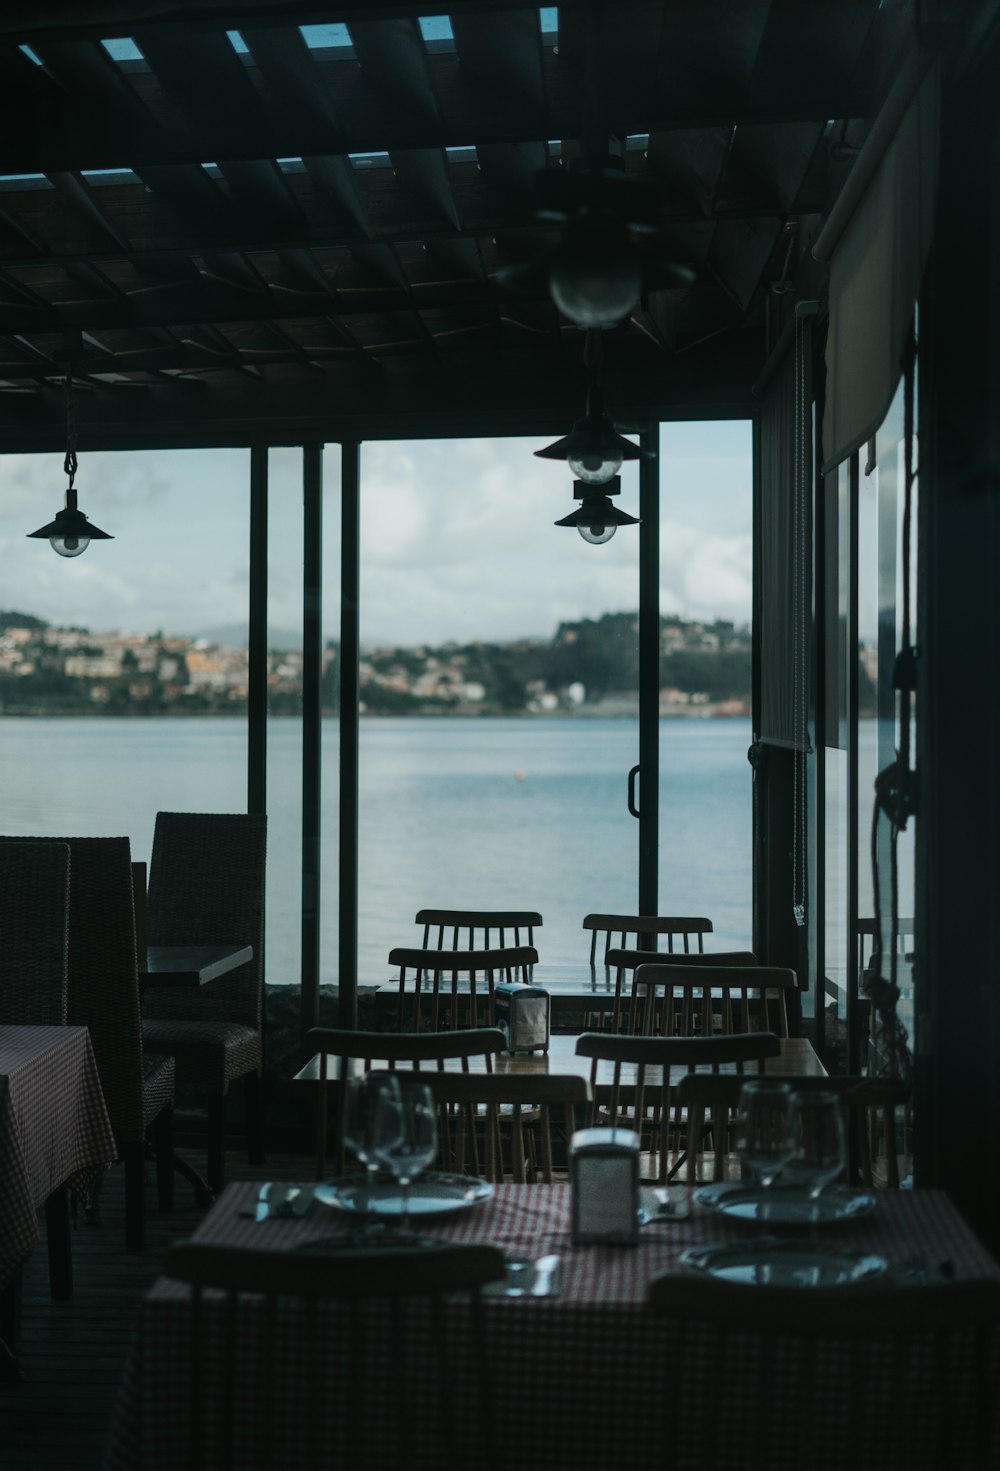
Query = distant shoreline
x=595 y=713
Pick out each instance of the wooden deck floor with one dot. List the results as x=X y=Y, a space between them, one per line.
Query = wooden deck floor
x=71 y=1353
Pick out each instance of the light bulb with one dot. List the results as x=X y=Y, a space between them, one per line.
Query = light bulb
x=595 y=469
x=597 y=532
x=595 y=288
x=69 y=546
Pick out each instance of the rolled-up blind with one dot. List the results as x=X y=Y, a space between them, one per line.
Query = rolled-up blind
x=876 y=241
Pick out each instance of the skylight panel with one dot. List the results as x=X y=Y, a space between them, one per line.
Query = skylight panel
x=110 y=176
x=238 y=44
x=123 y=48
x=31 y=54
x=369 y=160
x=12 y=182
x=437 y=32
x=334 y=38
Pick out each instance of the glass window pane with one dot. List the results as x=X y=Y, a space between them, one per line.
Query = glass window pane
x=499 y=684
x=123 y=671
x=706 y=582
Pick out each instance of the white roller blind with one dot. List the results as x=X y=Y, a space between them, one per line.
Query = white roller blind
x=877 y=253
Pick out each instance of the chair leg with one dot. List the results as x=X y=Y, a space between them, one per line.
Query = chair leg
x=216 y=1143
x=253 y=1085
x=135 y=1203
x=10 y=1321
x=163 y=1148
x=57 y=1228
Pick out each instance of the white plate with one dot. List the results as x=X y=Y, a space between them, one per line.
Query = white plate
x=431 y=1195
x=785 y=1206
x=782 y=1264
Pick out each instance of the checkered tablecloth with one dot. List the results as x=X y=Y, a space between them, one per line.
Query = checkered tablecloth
x=54 y=1129
x=579 y=1377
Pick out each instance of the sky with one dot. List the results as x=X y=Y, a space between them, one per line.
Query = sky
x=458 y=540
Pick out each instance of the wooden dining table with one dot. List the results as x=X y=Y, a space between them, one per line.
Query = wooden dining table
x=580 y=1377
x=796 y=1057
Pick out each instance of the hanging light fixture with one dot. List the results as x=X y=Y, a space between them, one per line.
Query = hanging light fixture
x=607 y=254
x=596 y=519
x=593 y=450
x=70 y=534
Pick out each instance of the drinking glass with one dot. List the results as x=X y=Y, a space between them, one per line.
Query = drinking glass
x=405 y=1134
x=766 y=1127
x=359 y=1125
x=820 y=1153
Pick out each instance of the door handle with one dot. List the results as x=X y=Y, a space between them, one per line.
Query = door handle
x=631 y=791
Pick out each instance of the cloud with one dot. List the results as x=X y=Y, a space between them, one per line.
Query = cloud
x=458 y=540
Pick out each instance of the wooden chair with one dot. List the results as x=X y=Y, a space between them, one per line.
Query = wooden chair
x=103 y=996
x=456 y=987
x=477 y=1111
x=496 y=925
x=621 y=1017
x=685 y=1001
x=643 y=1101
x=895 y=1375
x=870 y=1111
x=348 y=1320
x=409 y=1049
x=206 y=887
x=680 y=931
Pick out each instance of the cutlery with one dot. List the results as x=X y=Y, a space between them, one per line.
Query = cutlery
x=278 y=1202
x=661 y=1204
x=528 y=1278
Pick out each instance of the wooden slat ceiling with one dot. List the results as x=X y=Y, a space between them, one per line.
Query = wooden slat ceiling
x=239 y=233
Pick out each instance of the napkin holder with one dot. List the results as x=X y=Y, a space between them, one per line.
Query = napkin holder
x=604 y=1182
x=522 y=1014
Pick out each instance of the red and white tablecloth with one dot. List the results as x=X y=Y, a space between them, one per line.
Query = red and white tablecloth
x=54 y=1129
x=580 y=1377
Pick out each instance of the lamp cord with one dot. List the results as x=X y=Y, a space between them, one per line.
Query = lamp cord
x=70 y=462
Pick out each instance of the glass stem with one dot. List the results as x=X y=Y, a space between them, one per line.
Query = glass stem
x=404 y=1214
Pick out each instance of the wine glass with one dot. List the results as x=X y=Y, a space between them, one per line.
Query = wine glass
x=766 y=1127
x=820 y=1153
x=358 y=1129
x=404 y=1133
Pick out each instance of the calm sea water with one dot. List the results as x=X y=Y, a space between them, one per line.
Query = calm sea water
x=455 y=813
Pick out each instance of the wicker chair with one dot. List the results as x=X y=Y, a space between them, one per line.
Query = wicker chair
x=206 y=887
x=896 y=1374
x=34 y=922
x=399 y=1334
x=103 y=996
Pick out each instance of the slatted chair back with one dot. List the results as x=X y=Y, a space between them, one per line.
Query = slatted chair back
x=477 y=929
x=870 y=1114
x=478 y=1113
x=206 y=887
x=352 y=1052
x=360 y=1311
x=915 y=1370
x=685 y=1001
x=455 y=988
x=683 y=934
x=621 y=1017
x=34 y=932
x=645 y=1072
